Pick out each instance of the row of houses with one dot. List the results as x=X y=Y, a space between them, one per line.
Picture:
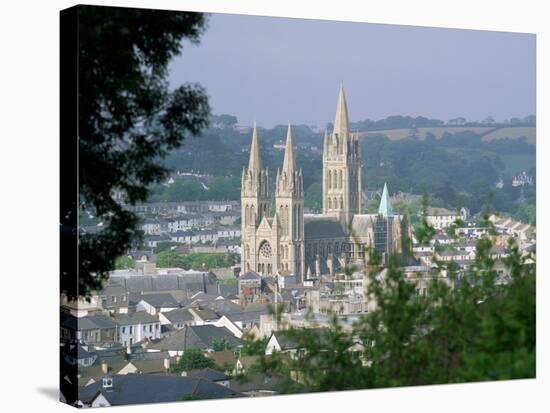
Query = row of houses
x=159 y=225
x=183 y=207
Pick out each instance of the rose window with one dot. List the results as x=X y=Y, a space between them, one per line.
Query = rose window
x=265 y=250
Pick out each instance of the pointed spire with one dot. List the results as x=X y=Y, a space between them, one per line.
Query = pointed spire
x=385 y=208
x=255 y=162
x=341 y=121
x=288 y=163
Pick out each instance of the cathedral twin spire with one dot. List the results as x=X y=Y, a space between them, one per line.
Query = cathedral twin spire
x=289 y=161
x=255 y=162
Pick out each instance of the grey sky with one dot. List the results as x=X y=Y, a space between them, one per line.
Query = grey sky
x=279 y=70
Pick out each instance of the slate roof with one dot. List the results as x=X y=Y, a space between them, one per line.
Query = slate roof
x=78 y=351
x=250 y=276
x=254 y=307
x=252 y=317
x=160 y=300
x=224 y=307
x=162 y=282
x=94 y=372
x=223 y=358
x=196 y=337
x=181 y=315
x=151 y=366
x=89 y=322
x=205 y=313
x=227 y=290
x=322 y=228
x=256 y=382
x=151 y=388
x=208 y=374
x=139 y=317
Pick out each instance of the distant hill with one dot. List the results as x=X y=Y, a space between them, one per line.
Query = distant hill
x=513 y=132
x=489 y=133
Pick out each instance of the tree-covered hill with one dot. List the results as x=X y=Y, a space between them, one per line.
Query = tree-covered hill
x=460 y=168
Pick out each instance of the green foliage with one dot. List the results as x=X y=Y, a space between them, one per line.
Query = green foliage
x=527 y=212
x=219 y=188
x=220 y=345
x=165 y=246
x=195 y=260
x=452 y=229
x=313 y=197
x=253 y=347
x=124 y=262
x=129 y=120
x=192 y=359
x=466 y=328
x=424 y=231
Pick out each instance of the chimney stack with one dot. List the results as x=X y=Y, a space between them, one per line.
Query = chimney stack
x=104 y=367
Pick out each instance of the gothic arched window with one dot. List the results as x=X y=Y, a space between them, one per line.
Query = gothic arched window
x=335 y=202
x=340 y=183
x=329 y=179
x=330 y=203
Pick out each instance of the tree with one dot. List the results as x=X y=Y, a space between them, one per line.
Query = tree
x=463 y=329
x=124 y=262
x=128 y=121
x=221 y=345
x=193 y=359
x=424 y=232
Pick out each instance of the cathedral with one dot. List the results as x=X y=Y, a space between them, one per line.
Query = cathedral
x=289 y=242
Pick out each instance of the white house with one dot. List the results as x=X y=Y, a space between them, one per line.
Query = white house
x=441 y=218
x=136 y=327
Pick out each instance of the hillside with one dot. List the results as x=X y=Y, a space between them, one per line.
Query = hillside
x=489 y=133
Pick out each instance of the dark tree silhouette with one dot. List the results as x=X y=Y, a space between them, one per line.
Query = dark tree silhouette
x=129 y=120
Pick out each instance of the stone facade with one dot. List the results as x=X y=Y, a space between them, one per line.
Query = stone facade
x=290 y=242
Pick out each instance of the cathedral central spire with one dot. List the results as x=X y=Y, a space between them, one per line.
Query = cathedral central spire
x=341 y=121
x=289 y=161
x=255 y=162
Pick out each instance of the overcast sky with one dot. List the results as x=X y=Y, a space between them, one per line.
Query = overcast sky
x=280 y=70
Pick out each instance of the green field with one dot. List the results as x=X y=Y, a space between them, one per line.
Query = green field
x=513 y=132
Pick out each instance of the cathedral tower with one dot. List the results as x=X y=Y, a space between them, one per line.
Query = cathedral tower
x=342 y=168
x=289 y=203
x=254 y=203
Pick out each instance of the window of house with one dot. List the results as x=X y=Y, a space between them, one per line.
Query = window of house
x=151 y=328
x=124 y=331
x=131 y=329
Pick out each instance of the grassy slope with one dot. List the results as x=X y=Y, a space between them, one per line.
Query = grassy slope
x=506 y=132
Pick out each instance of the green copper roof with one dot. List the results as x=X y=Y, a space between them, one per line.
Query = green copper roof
x=385 y=204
